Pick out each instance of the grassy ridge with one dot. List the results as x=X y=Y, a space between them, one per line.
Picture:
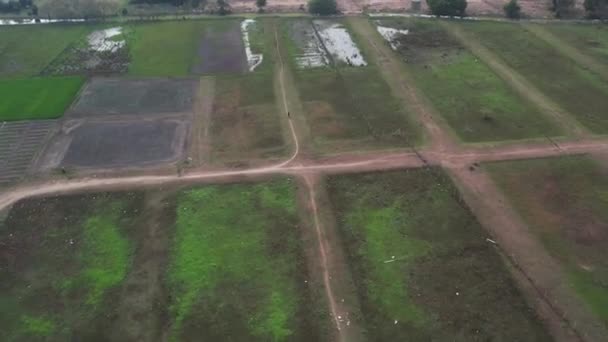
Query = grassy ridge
x=579 y=91
x=421 y=265
x=565 y=202
x=37 y=98
x=237 y=267
x=25 y=50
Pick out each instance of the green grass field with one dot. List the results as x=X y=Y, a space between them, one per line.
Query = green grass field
x=164 y=48
x=475 y=102
x=64 y=257
x=27 y=50
x=421 y=265
x=582 y=93
x=590 y=39
x=37 y=98
x=236 y=271
x=221 y=262
x=565 y=202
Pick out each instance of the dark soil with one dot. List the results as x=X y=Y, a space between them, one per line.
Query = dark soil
x=40 y=248
x=114 y=96
x=426 y=42
x=453 y=280
x=125 y=144
x=81 y=60
x=221 y=50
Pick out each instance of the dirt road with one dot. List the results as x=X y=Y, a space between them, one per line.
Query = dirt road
x=566 y=316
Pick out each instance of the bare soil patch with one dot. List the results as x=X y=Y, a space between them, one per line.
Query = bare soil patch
x=221 y=50
x=567 y=210
x=244 y=122
x=125 y=144
x=20 y=144
x=116 y=96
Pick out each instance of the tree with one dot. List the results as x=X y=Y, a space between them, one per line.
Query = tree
x=562 y=7
x=448 y=7
x=597 y=9
x=261 y=4
x=512 y=9
x=223 y=7
x=323 y=7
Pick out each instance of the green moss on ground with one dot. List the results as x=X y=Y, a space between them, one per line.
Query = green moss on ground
x=236 y=271
x=421 y=265
x=65 y=256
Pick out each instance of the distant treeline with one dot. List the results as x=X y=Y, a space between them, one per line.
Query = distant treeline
x=15 y=6
x=193 y=3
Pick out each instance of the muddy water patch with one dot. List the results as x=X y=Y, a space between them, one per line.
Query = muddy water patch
x=339 y=43
x=253 y=59
x=391 y=35
x=310 y=51
x=102 y=52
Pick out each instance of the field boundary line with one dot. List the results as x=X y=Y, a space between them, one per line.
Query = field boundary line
x=560 y=45
x=519 y=83
x=285 y=103
x=392 y=73
x=525 y=251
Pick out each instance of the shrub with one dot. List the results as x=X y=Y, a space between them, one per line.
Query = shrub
x=597 y=9
x=562 y=7
x=512 y=9
x=448 y=7
x=322 y=7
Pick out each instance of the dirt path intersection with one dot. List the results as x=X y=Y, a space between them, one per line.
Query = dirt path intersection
x=538 y=274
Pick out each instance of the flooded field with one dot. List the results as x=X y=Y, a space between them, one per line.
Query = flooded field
x=323 y=42
x=102 y=51
x=253 y=59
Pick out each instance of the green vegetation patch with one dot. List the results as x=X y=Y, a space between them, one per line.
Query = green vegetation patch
x=591 y=39
x=236 y=271
x=565 y=202
x=579 y=91
x=25 y=50
x=63 y=259
x=37 y=98
x=476 y=103
x=164 y=48
x=421 y=265
x=244 y=121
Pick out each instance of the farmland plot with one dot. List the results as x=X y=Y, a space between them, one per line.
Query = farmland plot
x=420 y=262
x=565 y=203
x=221 y=49
x=244 y=121
x=582 y=93
x=103 y=51
x=27 y=50
x=476 y=103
